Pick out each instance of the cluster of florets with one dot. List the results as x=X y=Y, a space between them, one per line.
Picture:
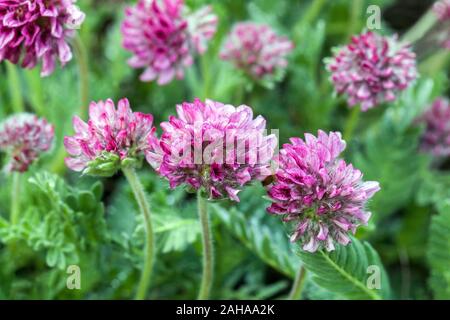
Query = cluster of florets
x=24 y=137
x=163 y=37
x=110 y=140
x=214 y=147
x=319 y=194
x=38 y=30
x=436 y=137
x=372 y=69
x=257 y=50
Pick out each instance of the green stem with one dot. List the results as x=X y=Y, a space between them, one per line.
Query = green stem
x=208 y=250
x=310 y=15
x=313 y=11
x=205 y=77
x=15 y=198
x=36 y=94
x=299 y=282
x=351 y=123
x=83 y=73
x=435 y=63
x=421 y=27
x=139 y=194
x=81 y=57
x=355 y=13
x=14 y=88
x=3 y=222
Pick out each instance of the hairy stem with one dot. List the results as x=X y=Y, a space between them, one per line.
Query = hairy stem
x=351 y=123
x=35 y=91
x=15 y=198
x=297 y=286
x=14 y=88
x=139 y=195
x=83 y=71
x=356 y=9
x=418 y=30
x=313 y=11
x=208 y=250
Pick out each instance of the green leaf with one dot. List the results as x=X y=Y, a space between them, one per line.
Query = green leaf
x=176 y=227
x=270 y=246
x=439 y=253
x=345 y=270
x=60 y=222
x=175 y=232
x=434 y=188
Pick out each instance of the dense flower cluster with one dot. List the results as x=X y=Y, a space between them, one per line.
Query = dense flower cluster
x=163 y=35
x=256 y=49
x=38 y=30
x=214 y=147
x=323 y=196
x=436 y=138
x=24 y=136
x=111 y=139
x=372 y=69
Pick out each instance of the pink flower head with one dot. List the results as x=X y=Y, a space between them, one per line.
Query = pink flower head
x=36 y=30
x=318 y=192
x=214 y=147
x=163 y=35
x=372 y=69
x=436 y=138
x=24 y=136
x=442 y=10
x=111 y=139
x=257 y=50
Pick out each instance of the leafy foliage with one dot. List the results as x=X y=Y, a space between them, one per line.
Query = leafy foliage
x=176 y=228
x=345 y=271
x=62 y=221
x=67 y=219
x=63 y=224
x=439 y=253
x=259 y=239
x=389 y=152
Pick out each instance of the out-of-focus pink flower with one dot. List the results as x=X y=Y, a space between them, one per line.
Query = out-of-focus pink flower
x=111 y=139
x=442 y=9
x=257 y=50
x=163 y=36
x=36 y=30
x=436 y=138
x=214 y=147
x=322 y=196
x=372 y=69
x=24 y=136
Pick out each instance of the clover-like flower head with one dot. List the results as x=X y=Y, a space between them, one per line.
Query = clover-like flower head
x=24 y=137
x=436 y=137
x=163 y=36
x=38 y=30
x=257 y=50
x=214 y=147
x=372 y=69
x=321 y=196
x=111 y=139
